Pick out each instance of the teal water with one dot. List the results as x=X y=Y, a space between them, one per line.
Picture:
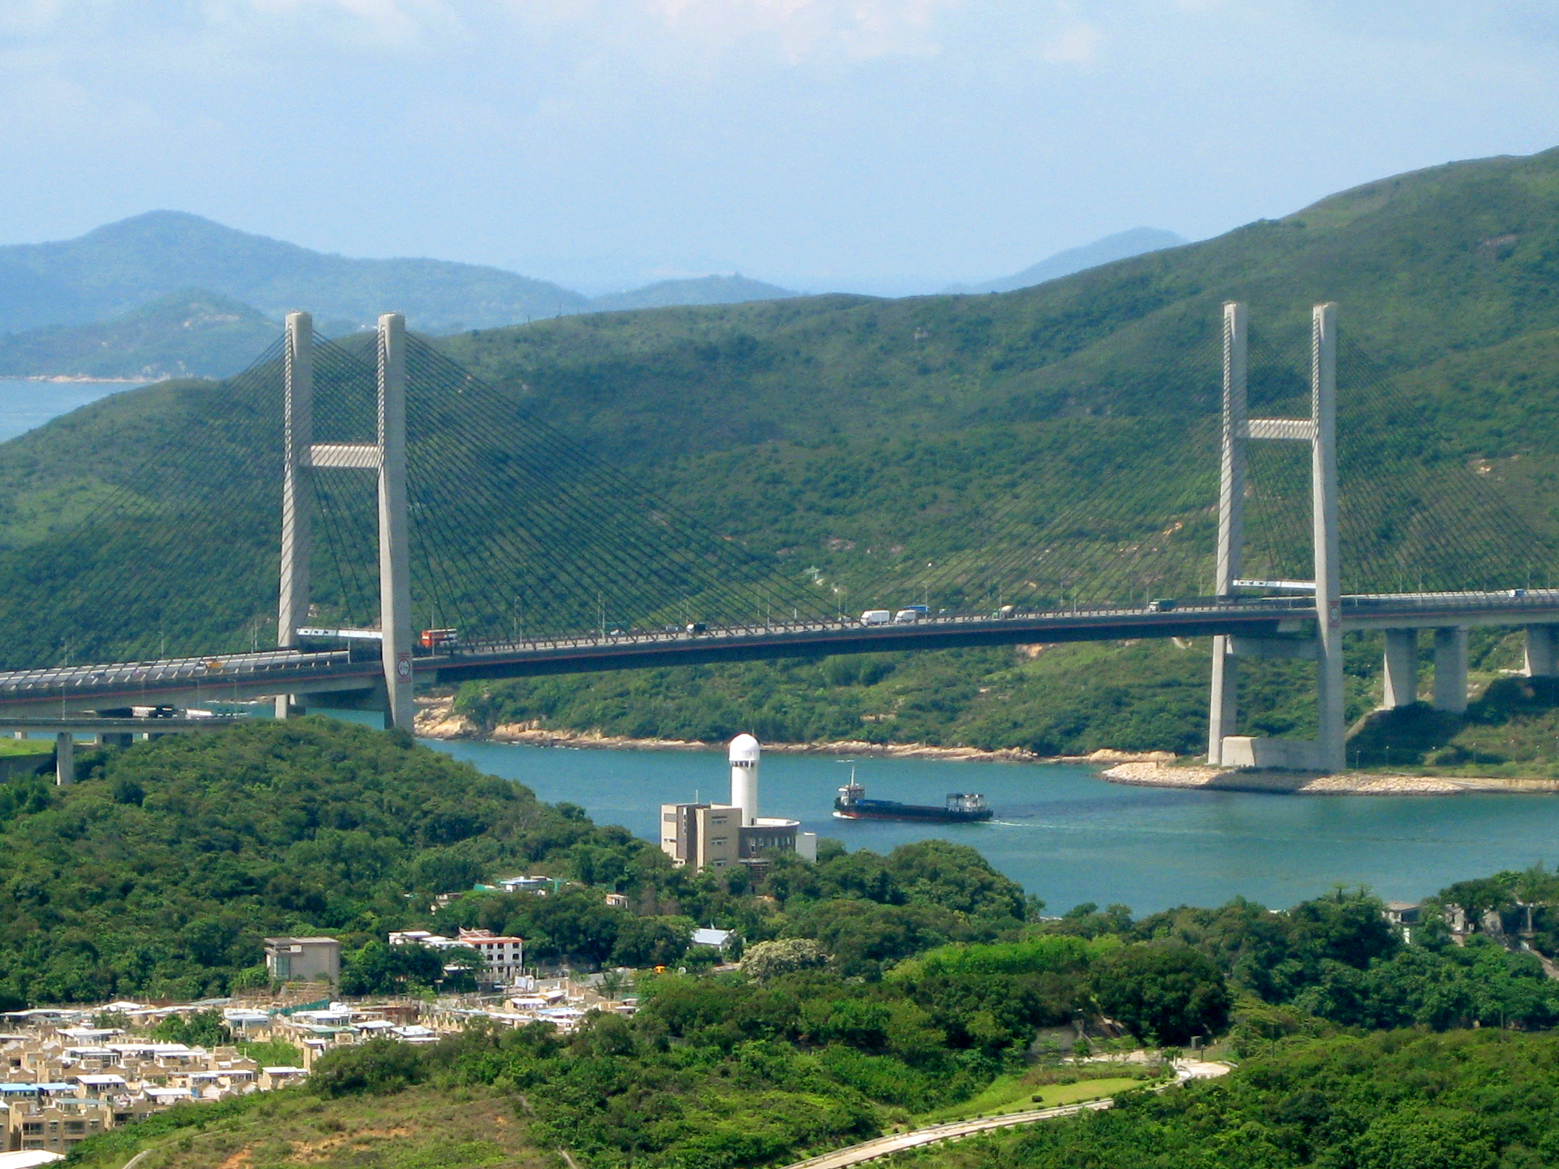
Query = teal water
x=26 y=404
x=1068 y=836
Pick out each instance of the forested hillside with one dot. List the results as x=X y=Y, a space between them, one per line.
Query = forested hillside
x=1041 y=446
x=872 y=991
x=161 y=871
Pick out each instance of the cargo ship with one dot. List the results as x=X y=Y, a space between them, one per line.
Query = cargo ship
x=961 y=807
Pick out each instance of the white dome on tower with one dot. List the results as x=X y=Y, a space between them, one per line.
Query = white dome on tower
x=745 y=749
x=744 y=777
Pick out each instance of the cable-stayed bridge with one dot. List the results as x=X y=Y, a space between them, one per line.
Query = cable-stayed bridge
x=416 y=499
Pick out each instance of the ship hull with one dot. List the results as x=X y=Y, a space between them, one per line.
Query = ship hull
x=890 y=810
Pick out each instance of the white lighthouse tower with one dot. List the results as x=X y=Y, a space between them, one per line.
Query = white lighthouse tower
x=744 y=777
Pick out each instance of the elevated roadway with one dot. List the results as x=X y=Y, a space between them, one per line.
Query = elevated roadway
x=337 y=675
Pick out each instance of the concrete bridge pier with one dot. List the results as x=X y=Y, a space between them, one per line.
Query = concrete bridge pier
x=1401 y=671
x=386 y=457
x=1328 y=751
x=1331 y=748
x=64 y=758
x=1450 y=669
x=1542 y=651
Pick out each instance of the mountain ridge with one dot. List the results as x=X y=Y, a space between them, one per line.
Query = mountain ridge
x=120 y=267
x=1123 y=245
x=188 y=333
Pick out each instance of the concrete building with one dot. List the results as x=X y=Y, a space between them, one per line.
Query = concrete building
x=56 y=1091
x=504 y=956
x=716 y=836
x=303 y=959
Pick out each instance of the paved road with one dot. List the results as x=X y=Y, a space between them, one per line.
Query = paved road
x=932 y=1134
x=883 y=1146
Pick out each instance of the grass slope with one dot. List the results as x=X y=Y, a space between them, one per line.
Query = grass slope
x=1473 y=1100
x=420 y=1128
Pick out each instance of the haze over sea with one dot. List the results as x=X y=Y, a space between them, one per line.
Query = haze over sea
x=26 y=404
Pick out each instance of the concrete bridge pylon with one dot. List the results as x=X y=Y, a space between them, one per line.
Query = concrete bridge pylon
x=1327 y=751
x=386 y=457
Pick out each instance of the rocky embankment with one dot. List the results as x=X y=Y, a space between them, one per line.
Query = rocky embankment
x=1346 y=783
x=437 y=719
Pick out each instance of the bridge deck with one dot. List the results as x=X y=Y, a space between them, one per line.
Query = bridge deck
x=233 y=677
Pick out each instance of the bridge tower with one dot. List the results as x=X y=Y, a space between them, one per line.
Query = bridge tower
x=387 y=458
x=1327 y=752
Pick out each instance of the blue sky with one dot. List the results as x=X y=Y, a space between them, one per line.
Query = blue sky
x=884 y=145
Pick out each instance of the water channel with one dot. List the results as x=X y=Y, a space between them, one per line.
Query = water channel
x=26 y=403
x=1067 y=836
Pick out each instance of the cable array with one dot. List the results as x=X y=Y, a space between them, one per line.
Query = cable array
x=518 y=531
x=1134 y=519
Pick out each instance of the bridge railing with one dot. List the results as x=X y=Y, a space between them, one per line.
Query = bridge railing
x=853 y=624
x=282 y=664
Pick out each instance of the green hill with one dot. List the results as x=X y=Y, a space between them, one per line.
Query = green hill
x=162 y=870
x=854 y=437
x=1426 y=267
x=119 y=267
x=190 y=333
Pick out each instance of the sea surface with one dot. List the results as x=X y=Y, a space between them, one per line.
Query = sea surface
x=1068 y=836
x=26 y=404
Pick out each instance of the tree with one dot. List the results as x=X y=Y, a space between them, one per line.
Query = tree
x=375 y=1068
x=764 y=960
x=652 y=941
x=1161 y=993
x=201 y=1029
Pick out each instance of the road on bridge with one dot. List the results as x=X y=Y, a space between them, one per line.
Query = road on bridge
x=234 y=677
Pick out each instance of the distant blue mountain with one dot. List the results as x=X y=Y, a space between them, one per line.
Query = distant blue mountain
x=702 y=290
x=1121 y=246
x=123 y=266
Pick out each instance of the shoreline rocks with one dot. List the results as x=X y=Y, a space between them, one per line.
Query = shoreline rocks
x=1346 y=783
x=436 y=719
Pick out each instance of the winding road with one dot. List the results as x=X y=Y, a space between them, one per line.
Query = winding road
x=932 y=1134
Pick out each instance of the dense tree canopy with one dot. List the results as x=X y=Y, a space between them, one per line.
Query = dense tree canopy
x=160 y=871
